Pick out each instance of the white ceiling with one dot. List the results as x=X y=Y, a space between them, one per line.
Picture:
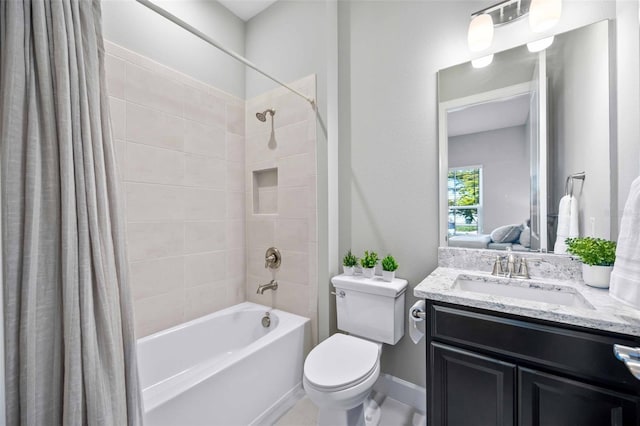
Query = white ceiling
x=246 y=9
x=489 y=116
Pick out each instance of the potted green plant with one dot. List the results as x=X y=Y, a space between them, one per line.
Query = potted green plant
x=349 y=263
x=368 y=263
x=389 y=266
x=597 y=256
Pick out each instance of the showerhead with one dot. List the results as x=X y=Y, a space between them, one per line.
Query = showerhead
x=262 y=116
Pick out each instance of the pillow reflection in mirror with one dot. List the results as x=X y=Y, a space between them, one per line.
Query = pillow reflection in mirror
x=506 y=234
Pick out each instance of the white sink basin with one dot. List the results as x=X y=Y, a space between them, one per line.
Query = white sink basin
x=523 y=289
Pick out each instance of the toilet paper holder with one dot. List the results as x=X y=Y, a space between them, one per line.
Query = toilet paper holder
x=418 y=314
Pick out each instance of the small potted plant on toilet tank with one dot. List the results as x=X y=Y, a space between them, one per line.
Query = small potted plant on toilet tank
x=597 y=256
x=368 y=263
x=349 y=263
x=389 y=266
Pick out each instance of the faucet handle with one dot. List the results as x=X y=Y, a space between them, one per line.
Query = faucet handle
x=497 y=267
x=269 y=260
x=523 y=267
x=272 y=258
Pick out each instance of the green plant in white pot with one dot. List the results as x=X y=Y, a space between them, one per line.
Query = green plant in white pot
x=349 y=263
x=389 y=267
x=368 y=263
x=597 y=256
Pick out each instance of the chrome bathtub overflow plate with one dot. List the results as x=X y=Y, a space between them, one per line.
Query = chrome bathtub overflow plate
x=266 y=320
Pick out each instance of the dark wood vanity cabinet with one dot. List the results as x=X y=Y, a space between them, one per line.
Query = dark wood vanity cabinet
x=469 y=388
x=487 y=368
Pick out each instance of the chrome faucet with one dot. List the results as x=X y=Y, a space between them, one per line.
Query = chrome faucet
x=272 y=285
x=510 y=272
x=516 y=268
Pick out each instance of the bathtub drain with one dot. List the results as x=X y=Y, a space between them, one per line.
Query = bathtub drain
x=266 y=320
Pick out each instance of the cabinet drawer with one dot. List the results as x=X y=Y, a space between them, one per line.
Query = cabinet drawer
x=584 y=354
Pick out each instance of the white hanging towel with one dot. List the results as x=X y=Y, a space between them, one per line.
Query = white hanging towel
x=568 y=222
x=625 y=278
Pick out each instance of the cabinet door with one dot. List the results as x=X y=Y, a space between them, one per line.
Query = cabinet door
x=470 y=389
x=545 y=399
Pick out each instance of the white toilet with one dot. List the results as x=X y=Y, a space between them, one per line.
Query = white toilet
x=340 y=372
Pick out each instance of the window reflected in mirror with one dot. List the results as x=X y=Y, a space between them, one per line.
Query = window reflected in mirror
x=465 y=201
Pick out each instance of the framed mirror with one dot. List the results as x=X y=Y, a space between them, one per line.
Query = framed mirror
x=518 y=135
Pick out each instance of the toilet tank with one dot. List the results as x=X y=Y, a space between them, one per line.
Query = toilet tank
x=370 y=307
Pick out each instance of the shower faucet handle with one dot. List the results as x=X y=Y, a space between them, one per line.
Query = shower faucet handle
x=272 y=258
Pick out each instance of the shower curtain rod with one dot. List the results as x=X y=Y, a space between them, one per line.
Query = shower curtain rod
x=214 y=43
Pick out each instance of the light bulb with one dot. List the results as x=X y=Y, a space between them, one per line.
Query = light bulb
x=544 y=14
x=540 y=45
x=480 y=33
x=482 y=62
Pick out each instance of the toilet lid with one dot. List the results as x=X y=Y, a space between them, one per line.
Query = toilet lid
x=340 y=361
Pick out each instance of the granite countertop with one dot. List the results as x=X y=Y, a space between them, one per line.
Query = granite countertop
x=608 y=314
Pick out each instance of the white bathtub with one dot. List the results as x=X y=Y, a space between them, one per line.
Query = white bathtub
x=222 y=369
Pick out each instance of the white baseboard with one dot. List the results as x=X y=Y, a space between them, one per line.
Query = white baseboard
x=406 y=392
x=271 y=415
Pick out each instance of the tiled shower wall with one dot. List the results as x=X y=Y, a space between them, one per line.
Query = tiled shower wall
x=181 y=157
x=187 y=175
x=289 y=220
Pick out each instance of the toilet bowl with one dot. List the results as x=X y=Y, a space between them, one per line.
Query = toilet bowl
x=339 y=374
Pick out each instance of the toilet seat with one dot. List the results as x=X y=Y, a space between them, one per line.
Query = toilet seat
x=341 y=362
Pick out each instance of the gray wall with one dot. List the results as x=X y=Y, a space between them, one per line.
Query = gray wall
x=579 y=111
x=390 y=53
x=504 y=157
x=287 y=40
x=133 y=26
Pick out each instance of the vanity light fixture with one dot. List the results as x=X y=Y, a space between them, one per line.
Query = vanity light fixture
x=544 y=14
x=480 y=33
x=539 y=45
x=482 y=62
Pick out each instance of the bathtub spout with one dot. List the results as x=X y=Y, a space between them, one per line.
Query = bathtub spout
x=273 y=285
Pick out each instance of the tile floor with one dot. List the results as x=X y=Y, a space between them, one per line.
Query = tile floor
x=304 y=413
x=393 y=413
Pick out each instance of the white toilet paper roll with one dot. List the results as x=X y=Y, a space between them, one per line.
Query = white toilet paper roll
x=414 y=330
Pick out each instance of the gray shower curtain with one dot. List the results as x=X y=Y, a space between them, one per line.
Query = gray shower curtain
x=69 y=342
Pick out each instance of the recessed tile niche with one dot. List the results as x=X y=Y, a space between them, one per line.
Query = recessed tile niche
x=265 y=191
